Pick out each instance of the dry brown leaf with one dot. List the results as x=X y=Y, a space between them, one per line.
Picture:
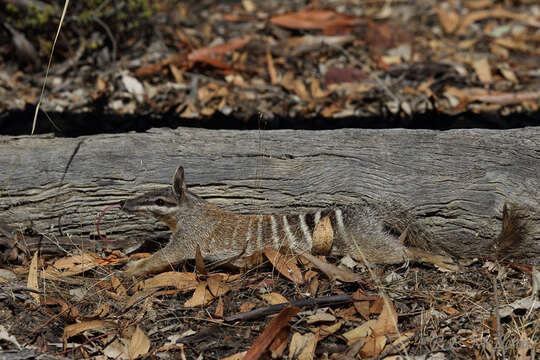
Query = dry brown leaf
x=73 y=261
x=386 y=35
x=68 y=311
x=362 y=307
x=227 y=277
x=302 y=347
x=309 y=43
x=270 y=332
x=323 y=237
x=340 y=75
x=179 y=60
x=177 y=74
x=449 y=20
x=217 y=287
x=320 y=317
x=360 y=332
x=247 y=306
x=287 y=81
x=117 y=286
x=449 y=310
x=200 y=297
x=313 y=19
x=467 y=44
x=332 y=271
x=203 y=53
x=301 y=90
x=214 y=62
x=373 y=346
x=352 y=350
x=279 y=345
x=496 y=13
x=314 y=286
x=102 y=311
x=286 y=265
x=72 y=265
x=331 y=109
x=483 y=70
x=274 y=298
x=315 y=89
x=377 y=306
x=326 y=330
x=508 y=98
x=32 y=281
x=508 y=74
x=139 y=344
x=461 y=95
x=76 y=329
x=387 y=320
x=348 y=314
x=116 y=349
x=515 y=44
x=478 y=4
x=310 y=274
x=199 y=262
x=249 y=6
x=219 y=309
x=179 y=280
x=272 y=73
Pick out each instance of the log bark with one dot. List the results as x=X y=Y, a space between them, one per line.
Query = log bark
x=457 y=181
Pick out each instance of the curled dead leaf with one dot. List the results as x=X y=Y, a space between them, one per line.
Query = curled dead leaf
x=200 y=297
x=286 y=265
x=323 y=237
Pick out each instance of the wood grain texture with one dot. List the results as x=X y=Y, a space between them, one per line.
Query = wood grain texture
x=456 y=180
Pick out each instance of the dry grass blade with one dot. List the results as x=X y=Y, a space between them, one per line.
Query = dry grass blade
x=32 y=281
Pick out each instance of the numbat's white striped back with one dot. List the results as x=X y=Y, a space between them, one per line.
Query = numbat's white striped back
x=355 y=224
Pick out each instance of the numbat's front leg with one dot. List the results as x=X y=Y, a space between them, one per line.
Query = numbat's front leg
x=157 y=262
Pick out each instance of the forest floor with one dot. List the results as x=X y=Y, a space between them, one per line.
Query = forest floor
x=273 y=62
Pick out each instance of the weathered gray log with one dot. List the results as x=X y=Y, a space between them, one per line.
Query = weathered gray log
x=456 y=180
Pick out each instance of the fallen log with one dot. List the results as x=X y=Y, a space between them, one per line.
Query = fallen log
x=457 y=181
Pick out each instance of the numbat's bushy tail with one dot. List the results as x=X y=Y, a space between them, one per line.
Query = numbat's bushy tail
x=380 y=233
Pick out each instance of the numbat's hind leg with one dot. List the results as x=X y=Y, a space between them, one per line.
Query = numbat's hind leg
x=385 y=234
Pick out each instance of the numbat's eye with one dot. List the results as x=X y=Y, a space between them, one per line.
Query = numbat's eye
x=160 y=202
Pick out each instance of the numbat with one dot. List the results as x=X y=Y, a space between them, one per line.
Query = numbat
x=381 y=233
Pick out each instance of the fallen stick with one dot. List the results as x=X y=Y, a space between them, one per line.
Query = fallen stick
x=272 y=309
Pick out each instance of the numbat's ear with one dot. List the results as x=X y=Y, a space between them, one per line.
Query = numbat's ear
x=179 y=186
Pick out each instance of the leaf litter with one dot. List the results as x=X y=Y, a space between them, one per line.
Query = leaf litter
x=451 y=313
x=291 y=60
